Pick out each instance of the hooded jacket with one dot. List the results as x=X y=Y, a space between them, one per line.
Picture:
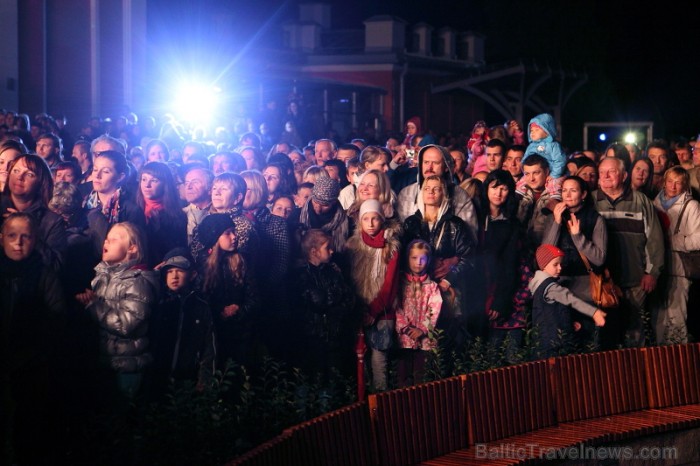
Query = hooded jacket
x=461 y=203
x=125 y=295
x=547 y=147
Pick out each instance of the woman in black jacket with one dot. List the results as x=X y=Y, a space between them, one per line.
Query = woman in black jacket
x=500 y=240
x=166 y=223
x=453 y=258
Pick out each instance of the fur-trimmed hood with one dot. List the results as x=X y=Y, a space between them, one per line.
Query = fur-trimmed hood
x=369 y=264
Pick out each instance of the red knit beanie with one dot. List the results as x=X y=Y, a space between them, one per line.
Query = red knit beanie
x=546 y=253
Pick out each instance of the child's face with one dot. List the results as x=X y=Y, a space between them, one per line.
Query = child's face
x=554 y=267
x=302 y=196
x=371 y=223
x=537 y=133
x=323 y=253
x=18 y=240
x=351 y=173
x=283 y=207
x=417 y=261
x=177 y=279
x=227 y=240
x=117 y=247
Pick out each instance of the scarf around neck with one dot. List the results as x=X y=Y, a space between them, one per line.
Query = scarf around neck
x=667 y=203
x=110 y=209
x=152 y=207
x=374 y=242
x=412 y=277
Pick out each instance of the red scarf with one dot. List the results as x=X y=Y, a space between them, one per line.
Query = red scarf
x=152 y=207
x=384 y=302
x=411 y=277
x=376 y=241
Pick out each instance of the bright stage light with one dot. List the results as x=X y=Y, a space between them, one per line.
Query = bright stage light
x=603 y=136
x=196 y=103
x=630 y=138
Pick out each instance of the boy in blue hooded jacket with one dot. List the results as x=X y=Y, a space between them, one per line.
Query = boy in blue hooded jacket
x=542 y=133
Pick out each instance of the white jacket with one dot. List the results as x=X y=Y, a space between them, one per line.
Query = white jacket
x=688 y=236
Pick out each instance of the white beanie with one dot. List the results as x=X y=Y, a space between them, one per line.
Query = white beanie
x=371 y=205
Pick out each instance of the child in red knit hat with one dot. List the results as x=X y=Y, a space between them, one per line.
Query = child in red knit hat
x=552 y=304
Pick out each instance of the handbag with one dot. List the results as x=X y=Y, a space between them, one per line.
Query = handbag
x=690 y=259
x=380 y=335
x=604 y=292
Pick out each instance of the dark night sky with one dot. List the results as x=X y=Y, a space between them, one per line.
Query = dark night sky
x=639 y=58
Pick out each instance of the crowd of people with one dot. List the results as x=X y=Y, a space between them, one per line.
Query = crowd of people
x=134 y=255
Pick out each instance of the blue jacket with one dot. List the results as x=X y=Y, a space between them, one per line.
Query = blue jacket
x=547 y=147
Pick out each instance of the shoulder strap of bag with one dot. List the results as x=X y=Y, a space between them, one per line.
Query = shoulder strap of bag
x=589 y=269
x=680 y=216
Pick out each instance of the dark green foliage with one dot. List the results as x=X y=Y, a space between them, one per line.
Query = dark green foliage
x=234 y=413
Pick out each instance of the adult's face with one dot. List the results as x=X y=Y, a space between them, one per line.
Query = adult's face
x=6 y=157
x=458 y=159
x=196 y=186
x=23 y=181
x=79 y=153
x=103 y=146
x=272 y=177
x=222 y=196
x=432 y=193
x=611 y=175
x=684 y=155
x=696 y=155
x=674 y=185
x=535 y=176
x=220 y=164
x=392 y=144
x=65 y=175
x=105 y=178
x=249 y=157
x=660 y=160
x=497 y=195
x=494 y=158
x=345 y=154
x=151 y=187
x=157 y=154
x=320 y=208
x=380 y=164
x=640 y=175
x=432 y=163
x=571 y=194
x=514 y=163
x=368 y=187
x=187 y=152
x=323 y=151
x=590 y=176
x=45 y=148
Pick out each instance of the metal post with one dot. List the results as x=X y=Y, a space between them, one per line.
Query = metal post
x=360 y=350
